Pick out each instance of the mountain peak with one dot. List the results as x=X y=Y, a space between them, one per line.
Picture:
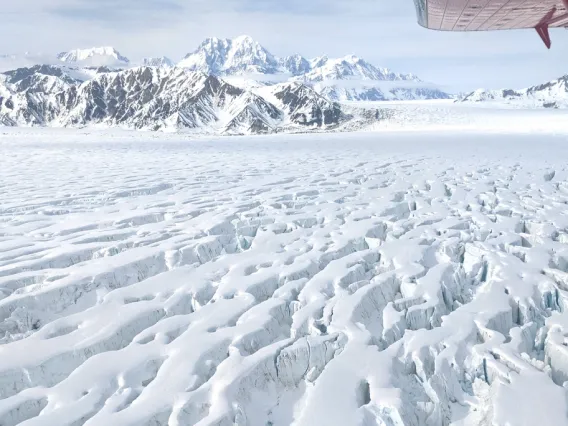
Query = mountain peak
x=245 y=57
x=352 y=58
x=95 y=56
x=244 y=39
x=351 y=67
x=213 y=43
x=225 y=56
x=296 y=64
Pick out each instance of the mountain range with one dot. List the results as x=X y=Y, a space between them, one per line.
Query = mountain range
x=223 y=87
x=162 y=98
x=553 y=94
x=349 y=78
x=246 y=63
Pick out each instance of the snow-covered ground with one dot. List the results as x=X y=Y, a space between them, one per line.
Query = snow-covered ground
x=390 y=278
x=436 y=115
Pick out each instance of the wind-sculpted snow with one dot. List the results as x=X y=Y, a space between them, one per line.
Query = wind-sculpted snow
x=378 y=279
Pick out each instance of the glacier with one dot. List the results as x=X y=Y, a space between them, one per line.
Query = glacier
x=395 y=278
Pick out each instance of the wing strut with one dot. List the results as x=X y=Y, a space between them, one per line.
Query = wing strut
x=544 y=33
x=543 y=26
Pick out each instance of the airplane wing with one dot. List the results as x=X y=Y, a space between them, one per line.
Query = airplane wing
x=486 y=15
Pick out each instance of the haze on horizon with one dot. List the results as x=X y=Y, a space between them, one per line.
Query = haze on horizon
x=383 y=32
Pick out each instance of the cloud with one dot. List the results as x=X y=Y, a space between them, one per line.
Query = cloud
x=289 y=7
x=112 y=12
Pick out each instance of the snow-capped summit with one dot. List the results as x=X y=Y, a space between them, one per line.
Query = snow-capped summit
x=248 y=55
x=351 y=67
x=247 y=64
x=348 y=78
x=229 y=57
x=351 y=78
x=296 y=64
x=209 y=57
x=161 y=62
x=94 y=57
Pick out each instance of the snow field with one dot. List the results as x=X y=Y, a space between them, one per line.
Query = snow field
x=346 y=279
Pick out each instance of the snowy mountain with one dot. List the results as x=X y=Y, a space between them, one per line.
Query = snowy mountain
x=354 y=79
x=231 y=57
x=245 y=63
x=95 y=57
x=345 y=79
x=307 y=107
x=159 y=98
x=296 y=65
x=27 y=78
x=375 y=91
x=158 y=62
x=244 y=55
x=553 y=94
x=351 y=67
x=242 y=63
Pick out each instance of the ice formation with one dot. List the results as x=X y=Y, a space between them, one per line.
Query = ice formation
x=368 y=279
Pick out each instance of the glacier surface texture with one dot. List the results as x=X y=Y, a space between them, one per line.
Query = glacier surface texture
x=392 y=279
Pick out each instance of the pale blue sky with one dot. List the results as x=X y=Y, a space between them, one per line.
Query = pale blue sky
x=382 y=31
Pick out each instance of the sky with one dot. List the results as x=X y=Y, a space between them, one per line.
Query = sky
x=384 y=32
